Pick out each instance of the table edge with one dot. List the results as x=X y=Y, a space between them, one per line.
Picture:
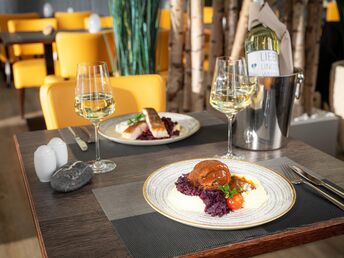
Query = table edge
x=277 y=241
x=29 y=195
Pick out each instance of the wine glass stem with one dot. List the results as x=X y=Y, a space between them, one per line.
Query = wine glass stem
x=96 y=138
x=230 y=118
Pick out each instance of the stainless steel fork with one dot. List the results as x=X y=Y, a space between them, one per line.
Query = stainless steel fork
x=295 y=179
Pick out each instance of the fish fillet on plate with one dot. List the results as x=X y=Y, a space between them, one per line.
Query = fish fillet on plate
x=155 y=124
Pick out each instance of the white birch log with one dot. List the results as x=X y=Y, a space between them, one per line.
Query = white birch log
x=175 y=68
x=215 y=43
x=231 y=13
x=187 y=71
x=197 y=55
x=241 y=30
x=298 y=32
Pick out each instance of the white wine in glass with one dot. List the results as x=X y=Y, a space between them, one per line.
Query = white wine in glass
x=231 y=92
x=93 y=101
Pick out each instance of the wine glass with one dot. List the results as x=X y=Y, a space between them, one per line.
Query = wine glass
x=231 y=92
x=93 y=101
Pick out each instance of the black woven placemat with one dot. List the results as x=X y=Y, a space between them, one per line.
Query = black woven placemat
x=153 y=235
x=109 y=149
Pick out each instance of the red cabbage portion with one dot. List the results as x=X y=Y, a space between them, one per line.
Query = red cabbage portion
x=184 y=186
x=214 y=200
x=169 y=125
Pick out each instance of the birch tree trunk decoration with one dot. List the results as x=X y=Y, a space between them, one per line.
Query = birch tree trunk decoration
x=298 y=43
x=215 y=43
x=312 y=42
x=231 y=12
x=175 y=68
x=298 y=32
x=187 y=71
x=241 y=30
x=197 y=55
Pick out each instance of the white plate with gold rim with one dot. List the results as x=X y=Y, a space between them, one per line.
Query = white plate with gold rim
x=281 y=196
x=188 y=124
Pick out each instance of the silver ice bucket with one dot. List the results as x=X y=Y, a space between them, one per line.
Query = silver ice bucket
x=264 y=125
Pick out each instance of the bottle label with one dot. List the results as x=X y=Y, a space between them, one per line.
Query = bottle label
x=263 y=63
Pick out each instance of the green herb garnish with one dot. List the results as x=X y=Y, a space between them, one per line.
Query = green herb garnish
x=227 y=191
x=137 y=118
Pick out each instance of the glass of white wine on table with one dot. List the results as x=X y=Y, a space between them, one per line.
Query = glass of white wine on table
x=93 y=101
x=231 y=92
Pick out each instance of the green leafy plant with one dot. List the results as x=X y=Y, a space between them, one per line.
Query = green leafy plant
x=136 y=27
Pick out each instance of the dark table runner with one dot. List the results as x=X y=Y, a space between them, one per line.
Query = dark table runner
x=109 y=149
x=149 y=234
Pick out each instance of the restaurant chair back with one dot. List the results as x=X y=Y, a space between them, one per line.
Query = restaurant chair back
x=71 y=21
x=207 y=14
x=162 y=50
x=79 y=47
x=30 y=25
x=105 y=22
x=131 y=94
x=165 y=19
x=4 y=18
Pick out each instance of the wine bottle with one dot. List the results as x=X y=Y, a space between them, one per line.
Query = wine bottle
x=262 y=49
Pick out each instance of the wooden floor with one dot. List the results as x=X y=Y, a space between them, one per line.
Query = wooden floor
x=17 y=235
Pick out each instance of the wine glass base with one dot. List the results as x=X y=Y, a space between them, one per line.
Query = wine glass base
x=102 y=166
x=229 y=156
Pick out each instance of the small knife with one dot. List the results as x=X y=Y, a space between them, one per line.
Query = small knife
x=315 y=180
x=82 y=144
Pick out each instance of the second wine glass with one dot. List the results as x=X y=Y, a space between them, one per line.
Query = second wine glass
x=93 y=101
x=231 y=92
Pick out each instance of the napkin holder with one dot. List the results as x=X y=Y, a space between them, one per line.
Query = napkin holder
x=264 y=125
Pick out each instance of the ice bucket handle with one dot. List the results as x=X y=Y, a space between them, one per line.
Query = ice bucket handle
x=299 y=84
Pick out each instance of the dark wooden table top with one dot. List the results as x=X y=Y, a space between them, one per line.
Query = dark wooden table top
x=8 y=38
x=74 y=225
x=20 y=37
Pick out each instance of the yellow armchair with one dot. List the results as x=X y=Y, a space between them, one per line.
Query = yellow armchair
x=30 y=25
x=131 y=94
x=71 y=21
x=79 y=47
x=4 y=18
x=29 y=73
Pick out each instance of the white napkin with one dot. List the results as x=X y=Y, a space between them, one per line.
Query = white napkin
x=262 y=14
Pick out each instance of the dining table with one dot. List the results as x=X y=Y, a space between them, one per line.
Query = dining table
x=109 y=217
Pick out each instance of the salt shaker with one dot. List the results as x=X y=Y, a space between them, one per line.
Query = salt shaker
x=60 y=149
x=45 y=162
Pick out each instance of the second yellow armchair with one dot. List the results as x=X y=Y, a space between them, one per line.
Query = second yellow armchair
x=131 y=94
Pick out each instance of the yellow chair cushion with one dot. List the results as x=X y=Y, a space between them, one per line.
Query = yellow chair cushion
x=131 y=94
x=29 y=73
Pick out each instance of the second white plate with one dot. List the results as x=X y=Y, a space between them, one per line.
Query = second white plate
x=189 y=126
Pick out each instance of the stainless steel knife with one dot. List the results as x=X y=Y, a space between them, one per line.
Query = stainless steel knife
x=315 y=180
x=82 y=144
